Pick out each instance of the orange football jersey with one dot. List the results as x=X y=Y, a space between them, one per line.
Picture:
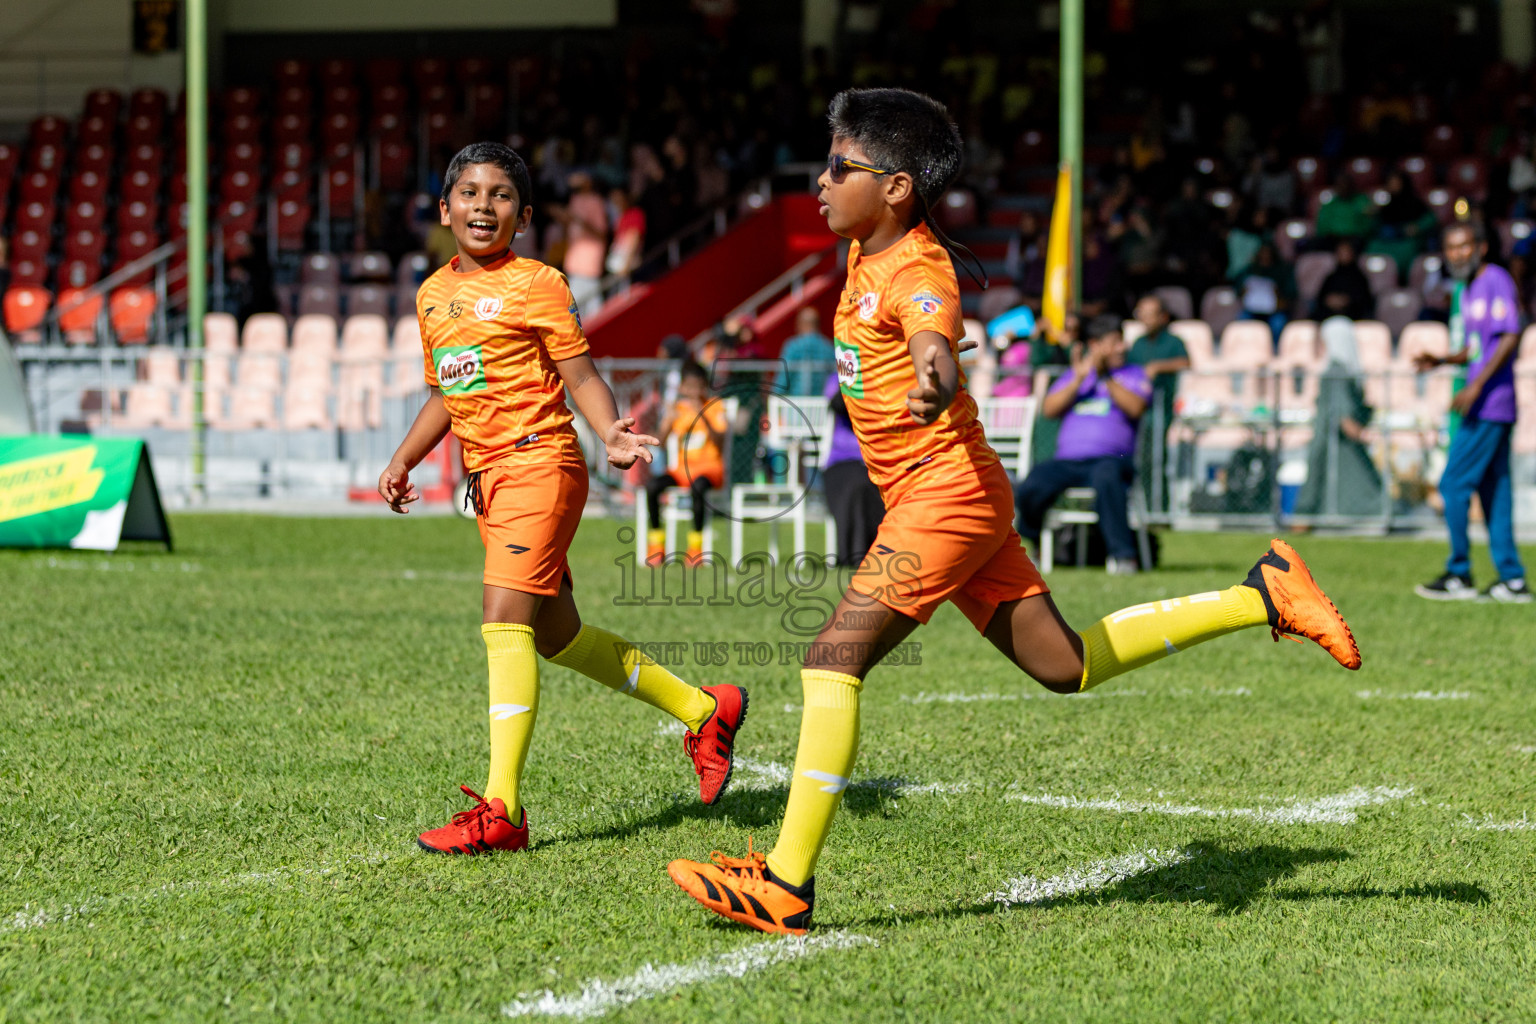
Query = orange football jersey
x=491 y=338
x=891 y=296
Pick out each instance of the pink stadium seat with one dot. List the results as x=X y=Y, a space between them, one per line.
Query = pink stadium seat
x=251 y=409
x=306 y=406
x=1177 y=300
x=1298 y=346
x=364 y=349
x=1398 y=308
x=1373 y=345
x=405 y=358
x=132 y=311
x=160 y=364
x=1380 y=271
x=265 y=332
x=405 y=300
x=1423 y=336
x=1311 y=269
x=259 y=371
x=221 y=333
x=148 y=405
x=1197 y=337
x=1245 y=344
x=312 y=334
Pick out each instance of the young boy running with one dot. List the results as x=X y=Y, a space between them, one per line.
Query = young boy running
x=503 y=341
x=948 y=530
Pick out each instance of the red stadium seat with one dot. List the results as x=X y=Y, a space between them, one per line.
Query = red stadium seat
x=146 y=156
x=1310 y=173
x=340 y=151
x=1289 y=235
x=88 y=187
x=148 y=101
x=242 y=128
x=388 y=98
x=291 y=72
x=1420 y=173
x=77 y=315
x=1365 y=172
x=1443 y=142
x=291 y=184
x=342 y=97
x=95 y=130
x=29 y=270
x=104 y=103
x=242 y=100
x=134 y=244
x=84 y=215
x=36 y=216
x=1398 y=308
x=295 y=99
x=319 y=299
x=428 y=71
x=30 y=244
x=242 y=156
x=140 y=183
x=79 y=273
x=387 y=124
x=137 y=216
x=488 y=102
x=412 y=269
x=395 y=160
x=437 y=96
x=85 y=244
x=1219 y=307
x=291 y=128
x=10 y=160
x=132 y=311
x=1380 y=271
x=240 y=184
x=47 y=157
x=338 y=71
x=320 y=268
x=25 y=308
x=368 y=298
x=38 y=186
x=369 y=266
x=1442 y=203
x=97 y=156
x=48 y=129
x=339 y=126
x=294 y=156
x=292 y=222
x=439 y=128
x=238 y=215
x=145 y=128
x=1468 y=177
x=341 y=189
x=381 y=71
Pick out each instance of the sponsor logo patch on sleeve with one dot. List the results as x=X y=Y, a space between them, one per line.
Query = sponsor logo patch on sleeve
x=927 y=302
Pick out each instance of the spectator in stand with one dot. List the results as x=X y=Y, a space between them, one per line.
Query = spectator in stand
x=586 y=219
x=1140 y=252
x=1099 y=404
x=852 y=498
x=1485 y=316
x=1404 y=222
x=698 y=423
x=1267 y=289
x=1270 y=184
x=1250 y=229
x=1026 y=256
x=1348 y=213
x=628 y=234
x=1338 y=448
x=1346 y=291
x=1522 y=178
x=807 y=357
x=1161 y=355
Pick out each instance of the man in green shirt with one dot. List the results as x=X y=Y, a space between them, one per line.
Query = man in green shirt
x=1162 y=355
x=1348 y=214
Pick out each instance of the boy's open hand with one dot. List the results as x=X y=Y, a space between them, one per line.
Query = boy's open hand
x=923 y=401
x=396 y=488
x=624 y=447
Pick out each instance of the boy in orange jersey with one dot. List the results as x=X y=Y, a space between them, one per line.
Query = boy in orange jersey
x=503 y=341
x=700 y=428
x=948 y=530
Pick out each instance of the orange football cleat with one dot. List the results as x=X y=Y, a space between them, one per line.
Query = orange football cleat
x=743 y=889
x=481 y=829
x=1297 y=606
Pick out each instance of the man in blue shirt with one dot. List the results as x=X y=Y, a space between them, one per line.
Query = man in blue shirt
x=808 y=357
x=1099 y=404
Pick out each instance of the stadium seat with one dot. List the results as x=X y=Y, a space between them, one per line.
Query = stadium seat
x=88 y=186
x=290 y=184
x=32 y=272
x=340 y=189
x=315 y=334
x=147 y=100
x=221 y=333
x=319 y=300
x=1289 y=235
x=240 y=186
x=79 y=273
x=406 y=362
x=1311 y=269
x=382 y=71
x=1513 y=233
x=306 y=406
x=78 y=313
x=369 y=266
x=85 y=244
x=1219 y=307
x=292 y=223
x=26 y=306
x=30 y=244
x=413 y=269
x=1420 y=173
x=10 y=160
x=1298 y=346
x=264 y=332
x=104 y=103
x=148 y=405
x=38 y=187
x=1310 y=173
x=132 y=312
x=241 y=100
x=1442 y=204
x=1380 y=271
x=240 y=130
x=290 y=134
x=1246 y=344
x=996 y=301
x=1442 y=142
x=145 y=130
x=1176 y=299
x=1373 y=345
x=426 y=71
x=1423 y=336
x=1365 y=172
x=1198 y=341
x=1419 y=270
x=342 y=98
x=405 y=301
x=364 y=349
x=1398 y=308
x=140 y=184
x=320 y=268
x=36 y=216
x=96 y=157
x=137 y=216
x=48 y=130
x=292 y=71
x=134 y=244
x=368 y=299
x=251 y=408
x=1468 y=177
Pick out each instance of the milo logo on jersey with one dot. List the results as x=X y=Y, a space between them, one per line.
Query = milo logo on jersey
x=460 y=369
x=850 y=371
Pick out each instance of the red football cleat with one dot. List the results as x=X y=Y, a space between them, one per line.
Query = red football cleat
x=711 y=747
x=481 y=829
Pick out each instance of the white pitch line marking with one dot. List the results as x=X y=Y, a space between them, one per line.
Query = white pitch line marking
x=1525 y=750
x=970 y=698
x=1098 y=875
x=598 y=998
x=670 y=727
x=1335 y=809
x=755 y=774
x=1416 y=695
x=1521 y=824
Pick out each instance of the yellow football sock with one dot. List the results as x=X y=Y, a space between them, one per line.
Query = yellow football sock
x=695 y=540
x=514 y=707
x=656 y=539
x=1143 y=633
x=620 y=665
x=829 y=742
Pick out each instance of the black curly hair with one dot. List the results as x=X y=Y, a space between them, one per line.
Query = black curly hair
x=901 y=130
x=498 y=155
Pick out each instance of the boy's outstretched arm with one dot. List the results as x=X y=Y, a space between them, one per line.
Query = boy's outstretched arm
x=595 y=401
x=938 y=377
x=428 y=430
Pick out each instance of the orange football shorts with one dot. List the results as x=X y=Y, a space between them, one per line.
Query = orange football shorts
x=950 y=541
x=531 y=514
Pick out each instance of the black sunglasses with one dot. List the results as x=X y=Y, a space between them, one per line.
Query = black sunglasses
x=839 y=166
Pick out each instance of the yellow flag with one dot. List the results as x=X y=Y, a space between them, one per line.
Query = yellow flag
x=1058 y=260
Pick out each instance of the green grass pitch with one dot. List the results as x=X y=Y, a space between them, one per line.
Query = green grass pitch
x=214 y=763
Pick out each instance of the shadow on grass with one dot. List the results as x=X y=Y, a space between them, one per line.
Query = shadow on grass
x=1448 y=892
x=1230 y=879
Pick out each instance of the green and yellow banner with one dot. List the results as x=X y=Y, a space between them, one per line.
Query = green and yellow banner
x=77 y=492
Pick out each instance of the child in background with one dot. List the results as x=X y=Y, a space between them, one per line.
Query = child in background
x=699 y=426
x=503 y=342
